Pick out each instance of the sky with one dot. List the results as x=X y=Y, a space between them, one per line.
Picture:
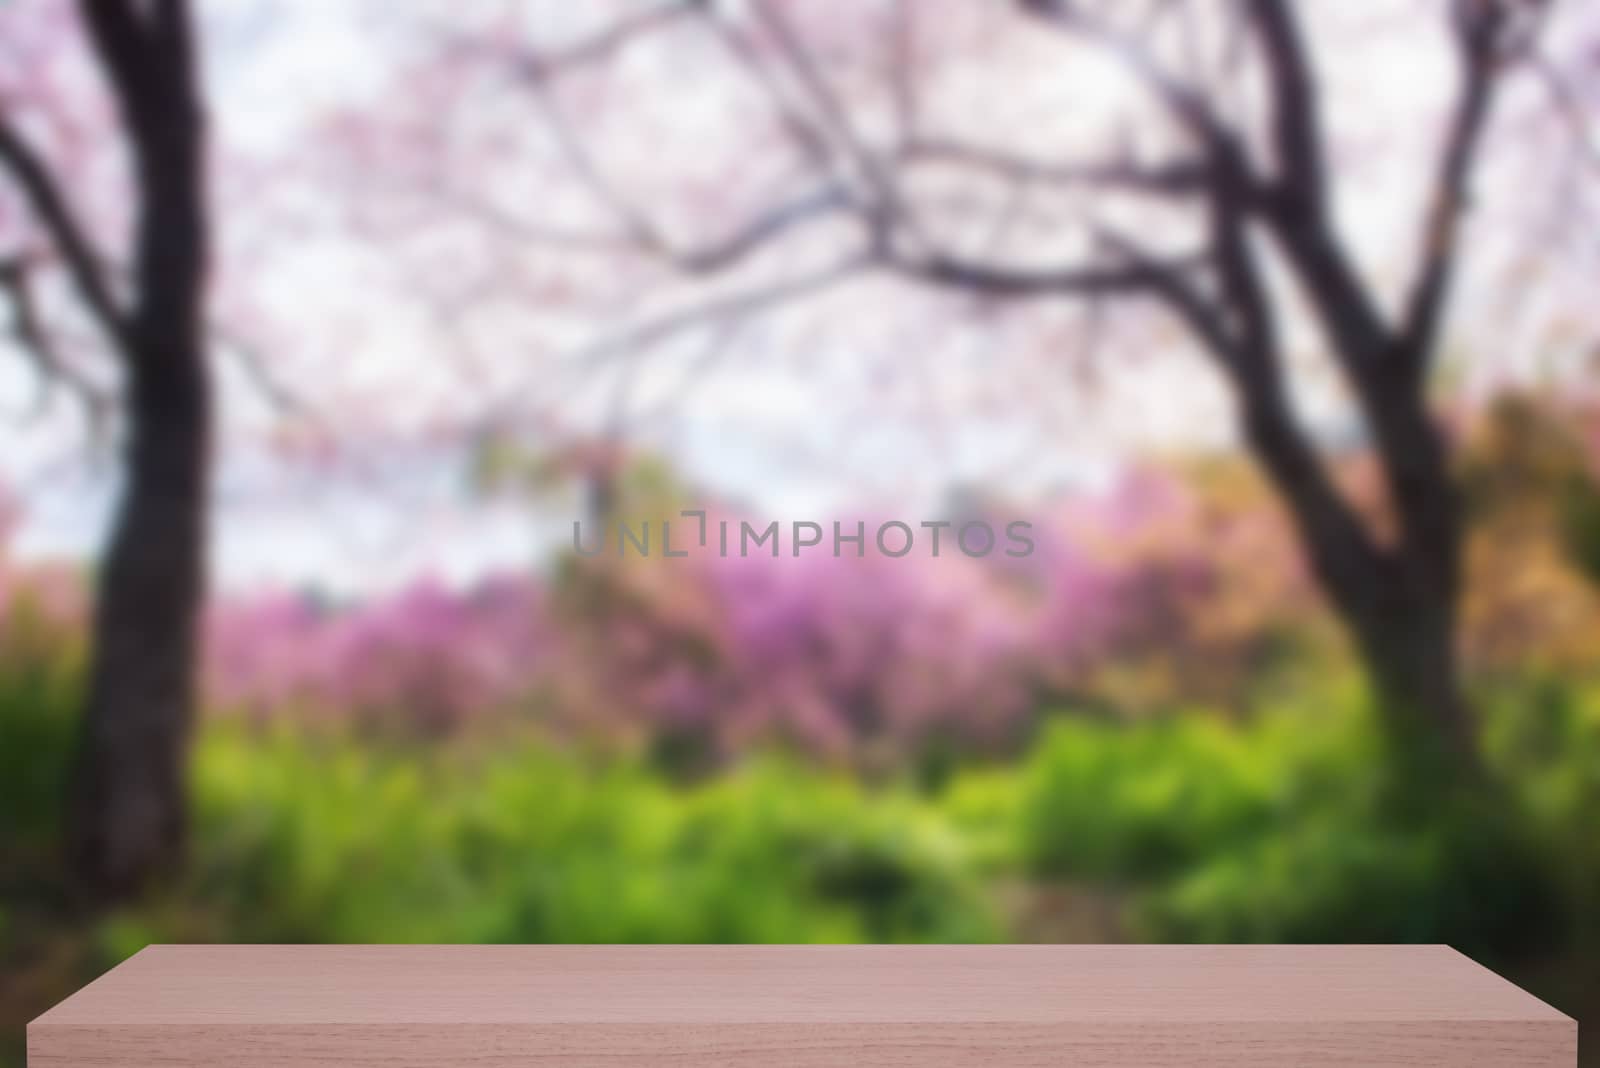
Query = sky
x=790 y=419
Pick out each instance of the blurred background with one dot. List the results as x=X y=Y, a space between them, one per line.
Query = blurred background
x=327 y=325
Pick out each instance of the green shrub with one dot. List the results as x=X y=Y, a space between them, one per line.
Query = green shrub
x=1145 y=801
x=331 y=840
x=1277 y=829
x=1333 y=877
x=41 y=669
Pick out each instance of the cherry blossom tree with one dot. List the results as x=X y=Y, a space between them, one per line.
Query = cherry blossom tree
x=1194 y=175
x=128 y=808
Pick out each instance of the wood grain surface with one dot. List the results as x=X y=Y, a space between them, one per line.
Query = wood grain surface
x=799 y=1006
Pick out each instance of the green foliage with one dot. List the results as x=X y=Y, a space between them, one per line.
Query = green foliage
x=1208 y=829
x=1123 y=802
x=1544 y=737
x=1212 y=829
x=1110 y=803
x=1334 y=876
x=40 y=690
x=340 y=841
x=1280 y=830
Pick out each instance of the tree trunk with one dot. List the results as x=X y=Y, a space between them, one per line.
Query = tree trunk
x=129 y=794
x=1407 y=632
x=1410 y=657
x=128 y=811
x=1399 y=602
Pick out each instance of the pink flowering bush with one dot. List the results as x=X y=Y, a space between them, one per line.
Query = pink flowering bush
x=1140 y=597
x=862 y=659
x=427 y=658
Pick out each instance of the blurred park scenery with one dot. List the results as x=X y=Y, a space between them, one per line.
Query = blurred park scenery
x=331 y=326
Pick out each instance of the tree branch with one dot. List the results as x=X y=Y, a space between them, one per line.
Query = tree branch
x=637 y=225
x=1174 y=288
x=33 y=337
x=120 y=37
x=253 y=363
x=891 y=206
x=55 y=216
x=1179 y=178
x=999 y=281
x=605 y=43
x=810 y=142
x=766 y=227
x=1296 y=124
x=1180 y=100
x=1573 y=111
x=716 y=311
x=1477 y=37
x=1348 y=563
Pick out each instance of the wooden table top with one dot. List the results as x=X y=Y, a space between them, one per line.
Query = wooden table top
x=996 y=1006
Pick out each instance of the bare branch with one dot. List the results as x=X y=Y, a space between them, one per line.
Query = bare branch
x=1296 y=124
x=639 y=232
x=1341 y=548
x=1342 y=551
x=891 y=207
x=503 y=222
x=1571 y=107
x=717 y=346
x=810 y=142
x=605 y=43
x=35 y=341
x=638 y=226
x=1254 y=327
x=70 y=239
x=1297 y=202
x=257 y=369
x=721 y=313
x=1341 y=301
x=902 y=72
x=1171 y=179
x=1180 y=100
x=766 y=227
x=1478 y=30
x=999 y=281
x=738 y=305
x=1173 y=286
x=642 y=233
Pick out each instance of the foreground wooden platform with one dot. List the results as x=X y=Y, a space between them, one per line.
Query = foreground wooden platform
x=799 y=1007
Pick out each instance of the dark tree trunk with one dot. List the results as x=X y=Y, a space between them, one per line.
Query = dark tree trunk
x=128 y=810
x=128 y=813
x=1407 y=632
x=1410 y=657
x=1399 y=601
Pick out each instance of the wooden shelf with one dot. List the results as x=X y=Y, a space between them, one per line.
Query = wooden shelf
x=799 y=1007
